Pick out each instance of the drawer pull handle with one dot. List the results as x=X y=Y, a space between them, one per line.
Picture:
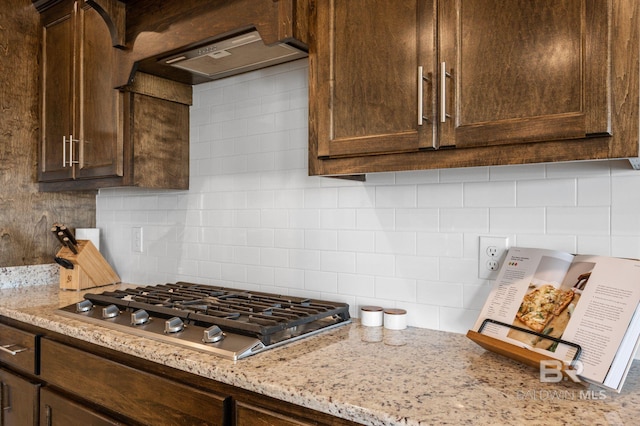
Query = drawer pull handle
x=5 y=348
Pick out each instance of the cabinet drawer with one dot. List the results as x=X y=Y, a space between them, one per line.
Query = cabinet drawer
x=249 y=415
x=18 y=349
x=139 y=395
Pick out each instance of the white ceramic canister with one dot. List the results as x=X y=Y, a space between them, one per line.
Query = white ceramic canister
x=395 y=319
x=371 y=316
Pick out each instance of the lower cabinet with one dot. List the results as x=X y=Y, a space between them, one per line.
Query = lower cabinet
x=57 y=410
x=18 y=400
x=53 y=380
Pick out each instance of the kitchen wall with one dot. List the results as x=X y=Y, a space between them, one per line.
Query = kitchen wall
x=254 y=219
x=26 y=215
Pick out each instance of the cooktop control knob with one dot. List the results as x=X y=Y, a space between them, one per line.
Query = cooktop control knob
x=213 y=334
x=139 y=317
x=110 y=311
x=173 y=325
x=84 y=306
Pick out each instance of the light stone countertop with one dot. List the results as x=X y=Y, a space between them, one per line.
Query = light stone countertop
x=373 y=376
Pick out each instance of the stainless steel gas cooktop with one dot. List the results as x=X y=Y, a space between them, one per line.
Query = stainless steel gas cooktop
x=227 y=322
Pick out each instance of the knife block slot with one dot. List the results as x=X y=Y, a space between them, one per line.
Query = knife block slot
x=90 y=269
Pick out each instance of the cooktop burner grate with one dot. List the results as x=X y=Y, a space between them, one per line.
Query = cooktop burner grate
x=271 y=318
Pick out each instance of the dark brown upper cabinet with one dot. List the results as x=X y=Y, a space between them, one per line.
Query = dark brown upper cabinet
x=412 y=85
x=95 y=133
x=81 y=110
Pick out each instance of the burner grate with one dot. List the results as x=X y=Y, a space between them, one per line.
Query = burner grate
x=268 y=317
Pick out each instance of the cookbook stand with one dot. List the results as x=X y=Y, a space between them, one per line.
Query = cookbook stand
x=518 y=353
x=90 y=269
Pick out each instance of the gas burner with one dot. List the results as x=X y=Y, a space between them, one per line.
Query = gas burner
x=229 y=322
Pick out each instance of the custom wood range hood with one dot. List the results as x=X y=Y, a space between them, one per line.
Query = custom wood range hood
x=194 y=41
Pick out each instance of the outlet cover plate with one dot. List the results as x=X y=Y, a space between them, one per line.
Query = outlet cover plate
x=137 y=239
x=491 y=254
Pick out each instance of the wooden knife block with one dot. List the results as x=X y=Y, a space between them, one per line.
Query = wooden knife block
x=90 y=269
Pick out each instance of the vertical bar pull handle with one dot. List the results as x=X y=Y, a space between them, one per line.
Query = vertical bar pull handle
x=443 y=92
x=421 y=80
x=70 y=150
x=420 y=118
x=64 y=152
x=6 y=397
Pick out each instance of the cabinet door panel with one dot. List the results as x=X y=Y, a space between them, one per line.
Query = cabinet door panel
x=18 y=400
x=56 y=410
x=366 y=76
x=57 y=93
x=524 y=71
x=100 y=137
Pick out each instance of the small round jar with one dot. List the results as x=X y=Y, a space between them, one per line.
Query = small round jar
x=395 y=319
x=371 y=316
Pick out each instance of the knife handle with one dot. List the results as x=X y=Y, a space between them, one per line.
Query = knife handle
x=68 y=234
x=71 y=246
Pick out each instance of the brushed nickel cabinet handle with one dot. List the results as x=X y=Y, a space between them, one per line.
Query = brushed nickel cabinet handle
x=5 y=398
x=443 y=92
x=421 y=79
x=70 y=150
x=64 y=152
x=5 y=348
x=420 y=117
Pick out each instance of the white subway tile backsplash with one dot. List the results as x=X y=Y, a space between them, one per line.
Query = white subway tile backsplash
x=464 y=220
x=417 y=267
x=441 y=195
x=356 y=285
x=378 y=219
x=436 y=294
x=337 y=261
x=417 y=219
x=395 y=242
x=517 y=220
x=356 y=241
x=254 y=219
x=375 y=264
x=440 y=244
x=594 y=191
x=552 y=192
x=396 y=196
x=578 y=220
x=399 y=289
x=489 y=194
x=317 y=239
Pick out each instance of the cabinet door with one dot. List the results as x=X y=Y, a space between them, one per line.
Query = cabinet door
x=524 y=71
x=364 y=81
x=56 y=410
x=57 y=92
x=100 y=142
x=18 y=400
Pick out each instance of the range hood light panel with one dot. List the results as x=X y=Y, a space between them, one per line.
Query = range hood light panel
x=178 y=59
x=243 y=53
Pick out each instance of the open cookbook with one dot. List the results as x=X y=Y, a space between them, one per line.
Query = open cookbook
x=578 y=309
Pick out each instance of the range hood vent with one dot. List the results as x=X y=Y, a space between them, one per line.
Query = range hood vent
x=231 y=56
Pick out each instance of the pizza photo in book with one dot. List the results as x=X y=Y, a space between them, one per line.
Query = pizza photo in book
x=542 y=298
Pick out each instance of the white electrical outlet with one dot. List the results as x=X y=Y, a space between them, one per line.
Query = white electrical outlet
x=491 y=255
x=136 y=239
